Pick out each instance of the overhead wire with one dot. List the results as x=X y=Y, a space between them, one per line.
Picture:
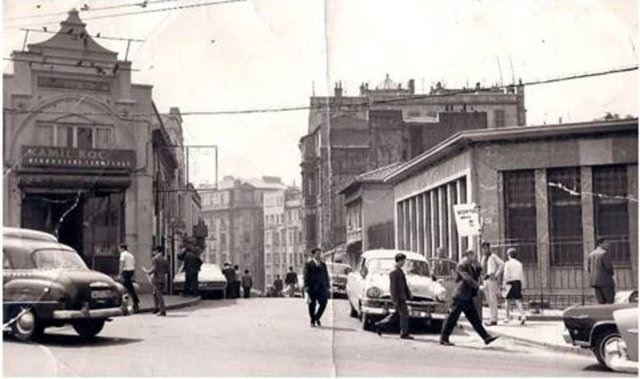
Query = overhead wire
x=365 y=103
x=93 y=9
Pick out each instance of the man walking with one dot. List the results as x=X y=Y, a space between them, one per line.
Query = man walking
x=127 y=269
x=230 y=275
x=513 y=282
x=399 y=295
x=492 y=267
x=467 y=280
x=247 y=283
x=192 y=263
x=316 y=286
x=291 y=281
x=601 y=273
x=236 y=283
x=157 y=277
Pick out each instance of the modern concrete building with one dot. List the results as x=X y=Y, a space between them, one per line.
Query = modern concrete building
x=369 y=204
x=283 y=242
x=350 y=135
x=234 y=216
x=549 y=191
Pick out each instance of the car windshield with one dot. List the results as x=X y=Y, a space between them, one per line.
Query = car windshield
x=57 y=259
x=338 y=269
x=414 y=267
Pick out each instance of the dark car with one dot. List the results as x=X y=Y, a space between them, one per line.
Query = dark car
x=593 y=326
x=46 y=283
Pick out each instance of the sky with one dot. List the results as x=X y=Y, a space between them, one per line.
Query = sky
x=276 y=53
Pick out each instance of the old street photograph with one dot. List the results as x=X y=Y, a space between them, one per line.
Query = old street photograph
x=320 y=188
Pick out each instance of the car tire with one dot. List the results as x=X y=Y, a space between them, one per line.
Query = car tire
x=88 y=328
x=603 y=340
x=27 y=327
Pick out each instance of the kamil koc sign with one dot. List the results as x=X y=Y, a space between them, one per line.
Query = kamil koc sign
x=64 y=157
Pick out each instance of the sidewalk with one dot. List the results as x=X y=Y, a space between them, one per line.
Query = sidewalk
x=170 y=301
x=544 y=330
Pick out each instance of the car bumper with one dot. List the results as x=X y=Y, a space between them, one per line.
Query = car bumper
x=211 y=287
x=569 y=340
x=419 y=311
x=91 y=313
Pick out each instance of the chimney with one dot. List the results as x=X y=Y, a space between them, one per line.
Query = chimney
x=337 y=89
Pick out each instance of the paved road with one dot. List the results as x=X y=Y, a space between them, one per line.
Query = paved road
x=273 y=337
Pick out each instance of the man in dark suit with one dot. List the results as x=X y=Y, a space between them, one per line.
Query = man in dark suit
x=158 y=276
x=601 y=273
x=399 y=295
x=316 y=286
x=468 y=276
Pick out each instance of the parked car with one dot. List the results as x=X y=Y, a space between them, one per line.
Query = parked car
x=338 y=273
x=46 y=283
x=368 y=288
x=593 y=327
x=625 y=352
x=211 y=281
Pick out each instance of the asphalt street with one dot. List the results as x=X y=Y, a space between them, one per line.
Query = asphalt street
x=272 y=337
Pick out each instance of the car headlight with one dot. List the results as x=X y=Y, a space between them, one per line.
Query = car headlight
x=374 y=292
x=442 y=296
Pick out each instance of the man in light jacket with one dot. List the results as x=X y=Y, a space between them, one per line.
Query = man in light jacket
x=492 y=267
x=513 y=282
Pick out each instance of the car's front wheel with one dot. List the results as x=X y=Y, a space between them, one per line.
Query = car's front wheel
x=88 y=328
x=607 y=347
x=26 y=326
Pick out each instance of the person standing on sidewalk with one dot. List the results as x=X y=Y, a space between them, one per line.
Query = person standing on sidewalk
x=127 y=269
x=492 y=267
x=513 y=282
x=291 y=281
x=468 y=282
x=229 y=274
x=601 y=273
x=316 y=286
x=400 y=293
x=157 y=276
x=247 y=283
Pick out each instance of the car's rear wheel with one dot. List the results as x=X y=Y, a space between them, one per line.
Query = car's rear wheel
x=88 y=328
x=26 y=326
x=607 y=347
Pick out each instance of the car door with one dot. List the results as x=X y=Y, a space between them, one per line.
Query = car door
x=354 y=284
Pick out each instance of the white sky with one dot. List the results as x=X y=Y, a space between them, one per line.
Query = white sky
x=267 y=53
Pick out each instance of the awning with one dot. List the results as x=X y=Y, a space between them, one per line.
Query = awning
x=74 y=181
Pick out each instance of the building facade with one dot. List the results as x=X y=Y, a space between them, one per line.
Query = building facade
x=350 y=135
x=369 y=209
x=84 y=150
x=550 y=191
x=234 y=216
x=283 y=238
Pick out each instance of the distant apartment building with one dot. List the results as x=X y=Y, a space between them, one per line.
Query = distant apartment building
x=381 y=126
x=283 y=239
x=234 y=216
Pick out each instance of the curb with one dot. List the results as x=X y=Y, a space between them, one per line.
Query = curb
x=182 y=304
x=562 y=349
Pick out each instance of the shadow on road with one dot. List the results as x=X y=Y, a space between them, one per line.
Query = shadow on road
x=69 y=340
x=338 y=329
x=597 y=368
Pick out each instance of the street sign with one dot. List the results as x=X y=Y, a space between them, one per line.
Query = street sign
x=467 y=219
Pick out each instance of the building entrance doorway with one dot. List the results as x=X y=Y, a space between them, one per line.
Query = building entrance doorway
x=90 y=222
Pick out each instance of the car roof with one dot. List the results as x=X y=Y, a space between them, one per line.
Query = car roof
x=391 y=253
x=30 y=234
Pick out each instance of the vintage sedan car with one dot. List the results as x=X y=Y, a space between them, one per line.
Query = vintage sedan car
x=46 y=283
x=338 y=273
x=593 y=327
x=368 y=288
x=211 y=281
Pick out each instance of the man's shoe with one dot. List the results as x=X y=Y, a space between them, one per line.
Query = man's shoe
x=407 y=337
x=522 y=321
x=313 y=323
x=162 y=314
x=136 y=308
x=156 y=311
x=490 y=339
x=378 y=329
x=318 y=323
x=446 y=343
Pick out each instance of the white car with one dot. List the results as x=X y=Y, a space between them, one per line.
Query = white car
x=211 y=281
x=368 y=288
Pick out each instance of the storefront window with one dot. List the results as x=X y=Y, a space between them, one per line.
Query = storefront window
x=520 y=213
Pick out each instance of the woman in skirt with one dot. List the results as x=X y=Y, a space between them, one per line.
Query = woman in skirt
x=513 y=281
